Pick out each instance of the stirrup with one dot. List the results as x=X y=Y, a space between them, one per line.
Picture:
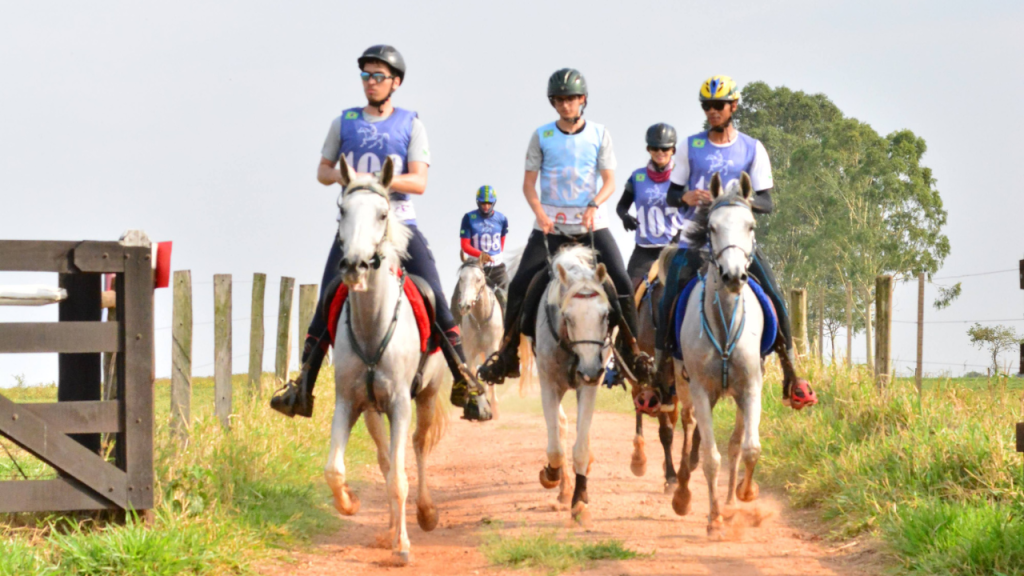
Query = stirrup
x=291 y=401
x=496 y=369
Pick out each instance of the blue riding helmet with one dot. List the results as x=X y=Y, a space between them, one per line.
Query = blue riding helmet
x=488 y=195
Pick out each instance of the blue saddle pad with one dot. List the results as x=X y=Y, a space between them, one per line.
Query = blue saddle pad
x=771 y=320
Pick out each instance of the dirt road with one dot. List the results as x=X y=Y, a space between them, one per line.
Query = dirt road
x=479 y=490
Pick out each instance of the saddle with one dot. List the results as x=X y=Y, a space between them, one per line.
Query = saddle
x=771 y=318
x=641 y=290
x=419 y=294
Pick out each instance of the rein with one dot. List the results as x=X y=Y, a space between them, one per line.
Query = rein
x=371 y=364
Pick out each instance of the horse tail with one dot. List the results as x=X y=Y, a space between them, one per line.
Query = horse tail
x=665 y=260
x=526 y=364
x=440 y=419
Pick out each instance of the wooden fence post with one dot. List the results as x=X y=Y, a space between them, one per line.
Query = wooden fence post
x=308 y=294
x=284 y=333
x=869 y=331
x=79 y=374
x=222 y=348
x=181 y=354
x=798 y=308
x=919 y=371
x=883 y=329
x=256 y=335
x=821 y=327
x=849 y=324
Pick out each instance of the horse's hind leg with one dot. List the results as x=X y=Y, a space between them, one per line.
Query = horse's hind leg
x=375 y=426
x=666 y=429
x=734 y=456
x=492 y=398
x=422 y=443
x=345 y=416
x=638 y=462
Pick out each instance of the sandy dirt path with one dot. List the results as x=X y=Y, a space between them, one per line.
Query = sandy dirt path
x=477 y=494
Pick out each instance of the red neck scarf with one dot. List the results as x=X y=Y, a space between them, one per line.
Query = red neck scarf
x=660 y=176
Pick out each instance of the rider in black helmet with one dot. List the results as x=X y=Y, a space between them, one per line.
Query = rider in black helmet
x=565 y=158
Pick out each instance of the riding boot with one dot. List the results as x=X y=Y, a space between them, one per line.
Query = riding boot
x=467 y=393
x=505 y=362
x=296 y=397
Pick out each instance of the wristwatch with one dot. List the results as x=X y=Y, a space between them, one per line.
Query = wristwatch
x=592 y=204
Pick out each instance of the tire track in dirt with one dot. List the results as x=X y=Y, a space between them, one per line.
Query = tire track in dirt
x=478 y=490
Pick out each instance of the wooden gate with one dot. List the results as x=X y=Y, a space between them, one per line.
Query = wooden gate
x=66 y=434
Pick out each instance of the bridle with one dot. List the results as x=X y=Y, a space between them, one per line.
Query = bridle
x=716 y=254
x=567 y=345
x=480 y=293
x=378 y=253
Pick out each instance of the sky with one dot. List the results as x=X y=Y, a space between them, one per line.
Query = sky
x=202 y=123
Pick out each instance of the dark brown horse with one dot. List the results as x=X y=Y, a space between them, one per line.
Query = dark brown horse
x=668 y=411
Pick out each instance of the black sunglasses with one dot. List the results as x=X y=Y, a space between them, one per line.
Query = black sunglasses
x=716 y=104
x=377 y=77
x=659 y=149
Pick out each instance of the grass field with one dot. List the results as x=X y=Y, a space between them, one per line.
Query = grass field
x=225 y=499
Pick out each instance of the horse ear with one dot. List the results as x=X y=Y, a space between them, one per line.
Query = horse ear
x=745 y=186
x=601 y=273
x=716 y=185
x=347 y=175
x=485 y=258
x=387 y=172
x=563 y=276
x=462 y=255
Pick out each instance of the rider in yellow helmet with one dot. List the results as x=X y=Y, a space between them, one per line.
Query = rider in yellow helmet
x=724 y=150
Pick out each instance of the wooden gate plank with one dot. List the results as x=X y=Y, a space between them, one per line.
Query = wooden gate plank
x=35 y=256
x=46 y=495
x=79 y=417
x=45 y=442
x=137 y=312
x=99 y=257
x=61 y=337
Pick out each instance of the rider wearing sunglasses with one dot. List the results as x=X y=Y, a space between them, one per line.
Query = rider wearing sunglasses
x=566 y=158
x=729 y=152
x=655 y=222
x=367 y=136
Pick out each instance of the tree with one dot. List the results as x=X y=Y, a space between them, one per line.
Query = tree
x=849 y=204
x=997 y=339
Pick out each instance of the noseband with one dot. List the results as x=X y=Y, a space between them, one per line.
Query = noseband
x=569 y=346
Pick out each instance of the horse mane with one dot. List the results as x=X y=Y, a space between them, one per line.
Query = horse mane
x=698 y=231
x=578 y=263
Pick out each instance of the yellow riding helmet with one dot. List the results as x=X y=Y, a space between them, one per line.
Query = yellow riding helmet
x=719 y=88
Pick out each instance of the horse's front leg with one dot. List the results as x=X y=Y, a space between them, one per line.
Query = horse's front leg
x=400 y=415
x=712 y=459
x=553 y=473
x=586 y=398
x=345 y=501
x=638 y=462
x=750 y=449
x=423 y=441
x=666 y=430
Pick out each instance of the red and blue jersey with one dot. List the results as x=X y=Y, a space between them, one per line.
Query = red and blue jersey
x=484 y=234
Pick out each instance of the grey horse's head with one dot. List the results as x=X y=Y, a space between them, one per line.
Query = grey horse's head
x=730 y=230
x=472 y=283
x=368 y=232
x=584 y=307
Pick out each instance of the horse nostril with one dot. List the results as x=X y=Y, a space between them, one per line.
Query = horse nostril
x=743 y=277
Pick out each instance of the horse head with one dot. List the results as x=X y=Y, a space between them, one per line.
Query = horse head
x=368 y=232
x=584 y=308
x=730 y=224
x=472 y=282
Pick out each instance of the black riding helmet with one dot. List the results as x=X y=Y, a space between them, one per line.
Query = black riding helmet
x=661 y=135
x=386 y=54
x=568 y=82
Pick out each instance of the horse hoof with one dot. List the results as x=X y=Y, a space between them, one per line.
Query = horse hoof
x=401 y=558
x=746 y=494
x=580 y=513
x=426 y=517
x=638 y=464
x=670 y=486
x=345 y=500
x=681 y=501
x=716 y=527
x=545 y=479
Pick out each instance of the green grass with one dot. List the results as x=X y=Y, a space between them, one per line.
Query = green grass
x=225 y=499
x=550 y=551
x=937 y=480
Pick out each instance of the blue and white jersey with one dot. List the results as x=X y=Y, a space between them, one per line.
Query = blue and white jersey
x=485 y=233
x=701 y=158
x=657 y=222
x=569 y=176
x=366 y=145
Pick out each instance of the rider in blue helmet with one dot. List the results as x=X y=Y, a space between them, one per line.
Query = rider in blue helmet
x=483 y=231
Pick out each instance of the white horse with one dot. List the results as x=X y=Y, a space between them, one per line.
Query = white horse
x=572 y=346
x=374 y=374
x=720 y=341
x=482 y=321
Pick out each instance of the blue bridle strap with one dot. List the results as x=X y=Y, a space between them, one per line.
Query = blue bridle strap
x=729 y=342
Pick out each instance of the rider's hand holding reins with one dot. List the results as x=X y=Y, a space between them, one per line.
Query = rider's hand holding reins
x=696 y=197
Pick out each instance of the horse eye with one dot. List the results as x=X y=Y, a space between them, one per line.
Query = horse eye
x=383 y=216
x=342 y=208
